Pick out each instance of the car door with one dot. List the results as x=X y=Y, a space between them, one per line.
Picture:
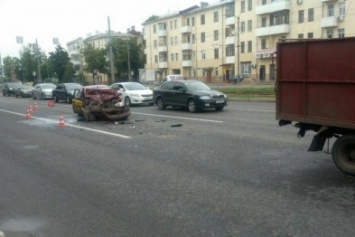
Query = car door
x=179 y=97
x=77 y=101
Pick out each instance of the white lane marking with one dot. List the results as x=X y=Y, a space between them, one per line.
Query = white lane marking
x=71 y=125
x=178 y=117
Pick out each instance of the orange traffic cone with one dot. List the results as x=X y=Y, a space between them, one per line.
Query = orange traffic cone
x=30 y=109
x=28 y=114
x=61 y=121
x=51 y=103
x=35 y=106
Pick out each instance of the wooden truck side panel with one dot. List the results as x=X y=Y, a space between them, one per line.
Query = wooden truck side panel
x=316 y=82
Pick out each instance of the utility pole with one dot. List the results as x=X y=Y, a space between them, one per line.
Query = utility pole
x=111 y=53
x=238 y=46
x=38 y=62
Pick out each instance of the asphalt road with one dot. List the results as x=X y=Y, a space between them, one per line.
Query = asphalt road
x=166 y=173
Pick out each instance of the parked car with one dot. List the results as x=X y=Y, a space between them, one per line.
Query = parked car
x=191 y=94
x=99 y=102
x=134 y=93
x=23 y=91
x=65 y=91
x=8 y=88
x=43 y=91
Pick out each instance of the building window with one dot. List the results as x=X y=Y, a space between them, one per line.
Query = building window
x=242 y=27
x=246 y=68
x=331 y=9
x=341 y=33
x=250 y=25
x=156 y=58
x=216 y=35
x=230 y=50
x=342 y=9
x=176 y=57
x=202 y=19
x=242 y=6
x=176 y=40
x=215 y=16
x=171 y=25
x=175 y=24
x=172 y=57
x=311 y=14
x=300 y=16
x=250 y=46
x=192 y=21
x=300 y=36
x=263 y=2
x=242 y=47
x=171 y=41
x=193 y=39
x=203 y=37
x=310 y=35
x=187 y=21
x=216 y=53
x=155 y=42
x=330 y=34
x=250 y=5
x=279 y=18
x=154 y=29
x=263 y=22
x=203 y=54
x=263 y=43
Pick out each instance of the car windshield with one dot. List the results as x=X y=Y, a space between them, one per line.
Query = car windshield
x=73 y=86
x=134 y=86
x=25 y=87
x=48 y=86
x=197 y=86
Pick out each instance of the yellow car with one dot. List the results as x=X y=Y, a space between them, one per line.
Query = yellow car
x=99 y=102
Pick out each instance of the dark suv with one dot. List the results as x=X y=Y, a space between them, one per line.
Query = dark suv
x=9 y=88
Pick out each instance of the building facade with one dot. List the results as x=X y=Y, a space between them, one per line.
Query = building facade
x=216 y=42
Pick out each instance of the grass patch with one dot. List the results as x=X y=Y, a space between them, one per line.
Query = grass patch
x=263 y=93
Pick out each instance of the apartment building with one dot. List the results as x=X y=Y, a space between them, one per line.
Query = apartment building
x=213 y=42
x=98 y=40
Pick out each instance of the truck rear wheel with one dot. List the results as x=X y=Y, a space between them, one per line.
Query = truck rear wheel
x=343 y=153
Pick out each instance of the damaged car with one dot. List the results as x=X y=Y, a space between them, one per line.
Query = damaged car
x=99 y=102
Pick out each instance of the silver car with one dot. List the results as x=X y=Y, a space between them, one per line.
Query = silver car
x=134 y=93
x=43 y=91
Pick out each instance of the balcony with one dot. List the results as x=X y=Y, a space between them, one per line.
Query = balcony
x=230 y=60
x=162 y=48
x=163 y=65
x=187 y=63
x=230 y=21
x=272 y=30
x=161 y=32
x=230 y=40
x=186 y=46
x=330 y=21
x=185 y=29
x=273 y=7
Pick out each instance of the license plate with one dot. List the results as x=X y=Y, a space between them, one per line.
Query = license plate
x=219 y=101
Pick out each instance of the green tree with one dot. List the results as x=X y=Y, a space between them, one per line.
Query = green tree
x=9 y=68
x=30 y=56
x=95 y=59
x=128 y=56
x=59 y=63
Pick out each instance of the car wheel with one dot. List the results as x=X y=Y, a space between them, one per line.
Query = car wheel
x=55 y=98
x=160 y=104
x=219 y=108
x=127 y=101
x=192 y=106
x=68 y=99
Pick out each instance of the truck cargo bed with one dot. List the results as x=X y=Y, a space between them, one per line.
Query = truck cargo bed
x=316 y=82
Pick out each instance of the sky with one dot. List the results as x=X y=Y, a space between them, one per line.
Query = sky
x=67 y=20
